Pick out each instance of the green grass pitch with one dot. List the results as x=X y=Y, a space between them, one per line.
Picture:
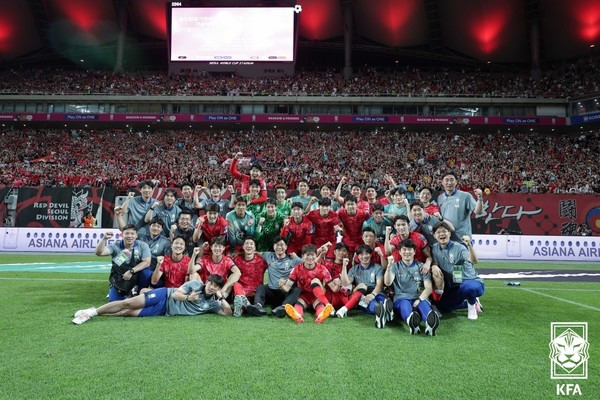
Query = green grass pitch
x=503 y=355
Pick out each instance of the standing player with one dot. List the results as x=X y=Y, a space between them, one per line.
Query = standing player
x=187 y=201
x=255 y=204
x=457 y=206
x=280 y=265
x=136 y=207
x=270 y=224
x=214 y=197
x=378 y=222
x=406 y=277
x=399 y=205
x=284 y=207
x=352 y=222
x=166 y=210
x=461 y=281
x=326 y=223
x=425 y=195
x=252 y=266
x=302 y=197
x=255 y=173
x=310 y=278
x=297 y=230
x=240 y=225
x=325 y=192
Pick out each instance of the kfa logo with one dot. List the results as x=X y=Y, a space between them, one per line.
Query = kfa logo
x=569 y=354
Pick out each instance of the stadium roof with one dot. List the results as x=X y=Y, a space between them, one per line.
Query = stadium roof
x=459 y=32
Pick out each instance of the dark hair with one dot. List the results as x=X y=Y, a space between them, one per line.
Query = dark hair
x=216 y=280
x=416 y=203
x=271 y=201
x=350 y=197
x=298 y=205
x=369 y=229
x=325 y=202
x=398 y=190
x=278 y=239
x=185 y=212
x=156 y=220
x=452 y=173
x=128 y=227
x=240 y=199
x=303 y=180
x=182 y=238
x=170 y=191
x=146 y=183
x=440 y=225
x=403 y=218
x=355 y=185
x=254 y=182
x=218 y=240
x=378 y=207
x=250 y=238
x=256 y=166
x=280 y=187
x=371 y=187
x=341 y=245
x=184 y=184
x=213 y=207
x=430 y=190
x=214 y=185
x=309 y=248
x=409 y=244
x=364 y=248
x=325 y=186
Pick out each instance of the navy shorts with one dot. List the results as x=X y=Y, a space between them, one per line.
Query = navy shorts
x=156 y=303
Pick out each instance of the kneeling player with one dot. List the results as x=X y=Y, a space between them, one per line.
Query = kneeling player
x=406 y=278
x=310 y=277
x=192 y=298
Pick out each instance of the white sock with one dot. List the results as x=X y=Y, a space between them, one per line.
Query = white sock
x=92 y=312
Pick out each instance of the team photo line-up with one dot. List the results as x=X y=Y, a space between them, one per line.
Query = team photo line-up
x=385 y=256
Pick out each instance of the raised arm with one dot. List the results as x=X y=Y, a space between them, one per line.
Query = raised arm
x=389 y=276
x=338 y=190
x=157 y=272
x=479 y=204
x=101 y=249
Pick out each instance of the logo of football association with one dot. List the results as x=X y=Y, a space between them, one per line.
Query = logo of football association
x=569 y=350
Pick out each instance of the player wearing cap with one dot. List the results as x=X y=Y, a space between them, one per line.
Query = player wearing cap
x=406 y=276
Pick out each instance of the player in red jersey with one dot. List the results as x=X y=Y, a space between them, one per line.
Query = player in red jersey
x=210 y=225
x=326 y=223
x=297 y=230
x=255 y=173
x=173 y=267
x=253 y=267
x=378 y=253
x=429 y=206
x=216 y=263
x=423 y=254
x=337 y=295
x=356 y=191
x=352 y=221
x=310 y=277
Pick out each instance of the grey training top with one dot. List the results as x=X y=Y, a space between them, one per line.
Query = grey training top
x=279 y=268
x=407 y=280
x=454 y=254
x=369 y=275
x=203 y=305
x=457 y=208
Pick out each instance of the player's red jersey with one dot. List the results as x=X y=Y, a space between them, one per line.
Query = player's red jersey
x=352 y=227
x=253 y=272
x=364 y=206
x=432 y=209
x=175 y=272
x=210 y=231
x=324 y=231
x=334 y=269
x=375 y=257
x=245 y=180
x=209 y=267
x=303 y=276
x=297 y=235
x=419 y=241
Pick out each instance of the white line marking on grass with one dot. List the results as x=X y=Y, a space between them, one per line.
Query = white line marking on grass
x=563 y=300
x=542 y=288
x=53 y=279
x=521 y=275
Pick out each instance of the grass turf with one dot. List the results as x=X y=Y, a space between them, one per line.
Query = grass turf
x=502 y=355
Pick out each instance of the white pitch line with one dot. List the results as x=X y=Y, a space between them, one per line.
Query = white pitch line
x=54 y=279
x=541 y=288
x=563 y=300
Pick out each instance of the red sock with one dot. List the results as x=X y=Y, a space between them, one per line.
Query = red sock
x=300 y=309
x=319 y=308
x=354 y=299
x=318 y=292
x=238 y=289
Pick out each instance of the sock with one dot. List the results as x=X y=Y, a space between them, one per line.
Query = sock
x=93 y=312
x=354 y=299
x=300 y=309
x=439 y=291
x=319 y=308
x=318 y=292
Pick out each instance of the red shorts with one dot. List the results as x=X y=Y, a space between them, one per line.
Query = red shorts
x=308 y=297
x=337 y=299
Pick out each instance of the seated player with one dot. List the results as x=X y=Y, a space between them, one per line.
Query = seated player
x=310 y=278
x=406 y=277
x=367 y=280
x=280 y=264
x=377 y=249
x=217 y=263
x=461 y=284
x=253 y=267
x=192 y=298
x=129 y=257
x=172 y=271
x=159 y=246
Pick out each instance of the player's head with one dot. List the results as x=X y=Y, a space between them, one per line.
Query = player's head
x=364 y=254
x=340 y=251
x=249 y=245
x=178 y=245
x=371 y=192
x=271 y=207
x=214 y=283
x=217 y=245
x=441 y=233
x=187 y=190
x=212 y=213
x=254 y=186
x=309 y=255
x=129 y=234
x=281 y=192
x=425 y=194
x=215 y=190
x=170 y=197
x=378 y=212
x=398 y=195
x=369 y=236
x=449 y=181
x=279 y=245
x=185 y=219
x=324 y=206
x=303 y=187
x=325 y=191
x=350 y=204
x=146 y=188
x=156 y=226
x=401 y=225
x=407 y=250
x=297 y=209
x=356 y=190
x=255 y=171
x=240 y=206
x=416 y=209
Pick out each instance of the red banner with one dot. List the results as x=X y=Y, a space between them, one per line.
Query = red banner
x=538 y=214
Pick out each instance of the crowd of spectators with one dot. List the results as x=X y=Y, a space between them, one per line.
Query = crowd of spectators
x=500 y=162
x=561 y=81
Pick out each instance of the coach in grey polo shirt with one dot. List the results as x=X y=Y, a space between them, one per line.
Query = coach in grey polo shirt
x=136 y=207
x=456 y=206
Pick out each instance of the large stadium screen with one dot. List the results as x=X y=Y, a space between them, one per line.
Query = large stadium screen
x=232 y=34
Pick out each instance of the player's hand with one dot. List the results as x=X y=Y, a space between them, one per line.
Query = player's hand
x=108 y=235
x=345 y=262
x=261 y=220
x=338 y=228
x=416 y=303
x=206 y=245
x=313 y=200
x=425 y=269
x=370 y=297
x=286 y=221
x=478 y=192
x=127 y=275
x=130 y=195
x=194 y=296
x=388 y=230
x=281 y=282
x=238 y=155
x=250 y=222
x=466 y=240
x=173 y=227
x=196 y=251
x=378 y=251
x=387 y=178
x=390 y=260
x=159 y=260
x=387 y=193
x=198 y=188
x=231 y=189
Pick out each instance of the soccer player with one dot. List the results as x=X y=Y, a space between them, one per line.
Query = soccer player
x=129 y=256
x=325 y=192
x=255 y=173
x=367 y=279
x=424 y=223
x=255 y=204
x=280 y=264
x=165 y=210
x=253 y=267
x=172 y=269
x=184 y=229
x=461 y=281
x=337 y=295
x=136 y=207
x=159 y=246
x=270 y=224
x=187 y=201
x=399 y=205
x=355 y=190
x=214 y=197
x=457 y=206
x=310 y=278
x=297 y=230
x=210 y=225
x=216 y=263
x=352 y=222
x=406 y=277
x=326 y=223
x=378 y=222
x=423 y=254
x=425 y=195
x=284 y=207
x=192 y=298
x=240 y=225
x=302 y=197
x=377 y=249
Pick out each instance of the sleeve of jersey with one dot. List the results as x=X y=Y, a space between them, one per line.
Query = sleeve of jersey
x=423 y=240
x=260 y=199
x=395 y=241
x=233 y=169
x=294 y=274
x=325 y=274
